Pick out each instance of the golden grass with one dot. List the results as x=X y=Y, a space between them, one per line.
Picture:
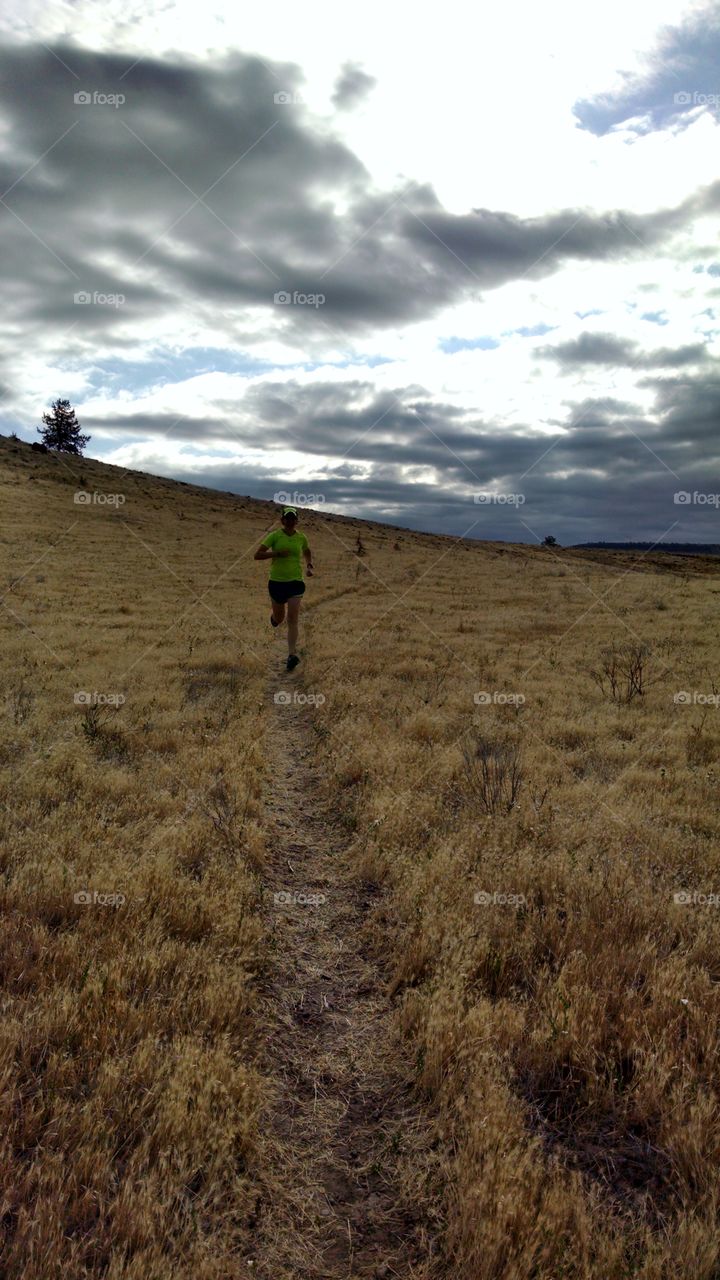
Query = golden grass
x=129 y=1110
x=565 y=1025
x=561 y=1030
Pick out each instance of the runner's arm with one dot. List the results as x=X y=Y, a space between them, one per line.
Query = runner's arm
x=308 y=560
x=268 y=553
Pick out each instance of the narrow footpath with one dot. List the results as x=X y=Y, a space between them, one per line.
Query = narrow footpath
x=347 y=1148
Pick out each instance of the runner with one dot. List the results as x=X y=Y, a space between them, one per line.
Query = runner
x=286 y=586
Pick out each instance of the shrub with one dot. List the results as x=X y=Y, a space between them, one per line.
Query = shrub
x=493 y=773
x=623 y=674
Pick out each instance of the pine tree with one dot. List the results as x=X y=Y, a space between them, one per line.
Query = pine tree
x=63 y=429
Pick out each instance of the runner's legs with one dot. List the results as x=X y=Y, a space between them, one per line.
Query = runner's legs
x=293 y=607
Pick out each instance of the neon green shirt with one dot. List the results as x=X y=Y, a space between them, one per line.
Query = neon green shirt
x=287 y=568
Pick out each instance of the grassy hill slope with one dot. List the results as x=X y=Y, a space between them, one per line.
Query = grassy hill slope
x=525 y=796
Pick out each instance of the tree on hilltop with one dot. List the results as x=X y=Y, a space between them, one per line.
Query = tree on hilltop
x=62 y=429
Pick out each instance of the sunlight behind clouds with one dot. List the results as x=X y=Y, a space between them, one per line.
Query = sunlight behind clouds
x=464 y=195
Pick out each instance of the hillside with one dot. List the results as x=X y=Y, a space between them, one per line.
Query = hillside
x=401 y=964
x=196 y=502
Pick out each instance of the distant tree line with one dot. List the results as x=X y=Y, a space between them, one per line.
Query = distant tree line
x=673 y=548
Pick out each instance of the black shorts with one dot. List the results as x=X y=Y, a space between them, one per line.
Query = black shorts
x=281 y=592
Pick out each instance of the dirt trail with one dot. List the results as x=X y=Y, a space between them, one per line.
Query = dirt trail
x=339 y=1201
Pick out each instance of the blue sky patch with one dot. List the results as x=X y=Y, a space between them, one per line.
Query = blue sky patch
x=451 y=345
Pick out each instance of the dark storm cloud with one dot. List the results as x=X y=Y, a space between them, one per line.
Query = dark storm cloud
x=605 y=349
x=683 y=74
x=104 y=199
x=141 y=426
x=501 y=246
x=690 y=410
x=672 y=357
x=352 y=85
x=609 y=471
x=589 y=348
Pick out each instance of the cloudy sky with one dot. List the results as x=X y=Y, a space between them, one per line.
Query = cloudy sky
x=458 y=273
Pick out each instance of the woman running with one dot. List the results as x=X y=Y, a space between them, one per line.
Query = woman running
x=286 y=586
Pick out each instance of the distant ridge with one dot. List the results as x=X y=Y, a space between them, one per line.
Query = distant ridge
x=673 y=548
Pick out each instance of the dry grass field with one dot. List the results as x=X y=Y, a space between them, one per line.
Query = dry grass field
x=405 y=964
